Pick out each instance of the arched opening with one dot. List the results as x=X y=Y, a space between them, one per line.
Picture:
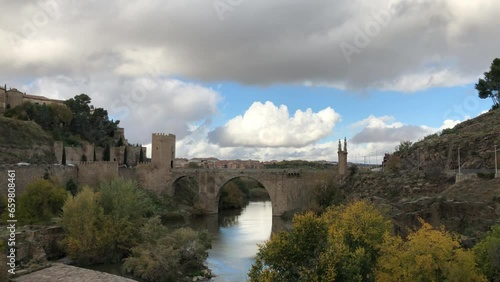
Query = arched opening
x=186 y=192
x=237 y=192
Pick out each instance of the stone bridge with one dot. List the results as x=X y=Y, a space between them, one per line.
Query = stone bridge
x=289 y=189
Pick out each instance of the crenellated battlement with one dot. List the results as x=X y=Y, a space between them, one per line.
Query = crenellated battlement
x=98 y=163
x=146 y=166
x=164 y=134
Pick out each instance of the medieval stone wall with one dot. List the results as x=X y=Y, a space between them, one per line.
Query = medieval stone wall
x=28 y=174
x=92 y=173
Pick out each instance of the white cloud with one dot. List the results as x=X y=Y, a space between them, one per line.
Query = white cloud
x=427 y=79
x=143 y=105
x=267 y=125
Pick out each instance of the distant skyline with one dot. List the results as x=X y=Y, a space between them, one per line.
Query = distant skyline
x=257 y=79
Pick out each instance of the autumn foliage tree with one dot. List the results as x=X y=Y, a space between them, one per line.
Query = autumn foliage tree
x=342 y=244
x=427 y=255
x=103 y=226
x=354 y=243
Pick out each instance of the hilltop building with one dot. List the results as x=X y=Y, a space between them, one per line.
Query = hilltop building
x=10 y=98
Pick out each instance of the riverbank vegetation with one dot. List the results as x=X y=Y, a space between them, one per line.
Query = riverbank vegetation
x=354 y=242
x=238 y=192
x=118 y=220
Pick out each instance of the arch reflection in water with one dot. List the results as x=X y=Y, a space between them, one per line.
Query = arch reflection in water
x=236 y=235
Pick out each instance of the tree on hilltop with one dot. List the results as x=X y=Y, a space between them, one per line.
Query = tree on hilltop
x=489 y=87
x=92 y=124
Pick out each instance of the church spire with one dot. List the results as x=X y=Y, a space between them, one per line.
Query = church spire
x=345 y=144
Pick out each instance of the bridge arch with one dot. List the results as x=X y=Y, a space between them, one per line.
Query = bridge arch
x=268 y=186
x=185 y=190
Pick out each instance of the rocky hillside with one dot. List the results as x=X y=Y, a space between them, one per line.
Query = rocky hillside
x=425 y=185
x=475 y=138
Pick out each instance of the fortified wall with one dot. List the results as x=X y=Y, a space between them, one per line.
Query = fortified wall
x=123 y=155
x=152 y=175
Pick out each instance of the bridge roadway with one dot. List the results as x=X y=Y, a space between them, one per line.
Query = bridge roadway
x=289 y=189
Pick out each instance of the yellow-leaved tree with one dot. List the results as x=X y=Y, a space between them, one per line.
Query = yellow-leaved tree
x=88 y=239
x=355 y=236
x=427 y=255
x=342 y=244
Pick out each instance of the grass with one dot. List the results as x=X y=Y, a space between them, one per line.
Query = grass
x=22 y=134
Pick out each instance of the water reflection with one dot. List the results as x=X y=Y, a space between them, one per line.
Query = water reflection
x=236 y=235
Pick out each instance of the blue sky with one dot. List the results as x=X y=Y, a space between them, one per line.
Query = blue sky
x=257 y=79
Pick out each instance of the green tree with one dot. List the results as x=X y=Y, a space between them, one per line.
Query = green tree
x=106 y=155
x=343 y=244
x=403 y=149
x=355 y=236
x=125 y=156
x=127 y=206
x=427 y=255
x=63 y=162
x=168 y=255
x=88 y=239
x=72 y=187
x=141 y=155
x=61 y=114
x=489 y=86
x=488 y=254
x=233 y=195
x=294 y=255
x=42 y=200
x=92 y=124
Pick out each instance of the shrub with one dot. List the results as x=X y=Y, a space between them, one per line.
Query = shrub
x=488 y=254
x=42 y=200
x=168 y=256
x=110 y=217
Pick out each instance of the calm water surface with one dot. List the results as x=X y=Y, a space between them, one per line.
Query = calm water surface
x=236 y=235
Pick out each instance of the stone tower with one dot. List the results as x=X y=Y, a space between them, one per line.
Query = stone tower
x=163 y=150
x=342 y=155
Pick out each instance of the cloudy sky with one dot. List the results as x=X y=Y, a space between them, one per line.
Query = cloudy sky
x=259 y=79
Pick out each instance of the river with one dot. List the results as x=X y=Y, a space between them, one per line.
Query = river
x=236 y=235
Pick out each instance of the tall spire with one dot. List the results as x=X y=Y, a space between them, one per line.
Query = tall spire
x=340 y=146
x=345 y=144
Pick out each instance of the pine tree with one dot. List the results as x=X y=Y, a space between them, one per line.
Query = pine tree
x=107 y=153
x=141 y=156
x=125 y=158
x=63 y=162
